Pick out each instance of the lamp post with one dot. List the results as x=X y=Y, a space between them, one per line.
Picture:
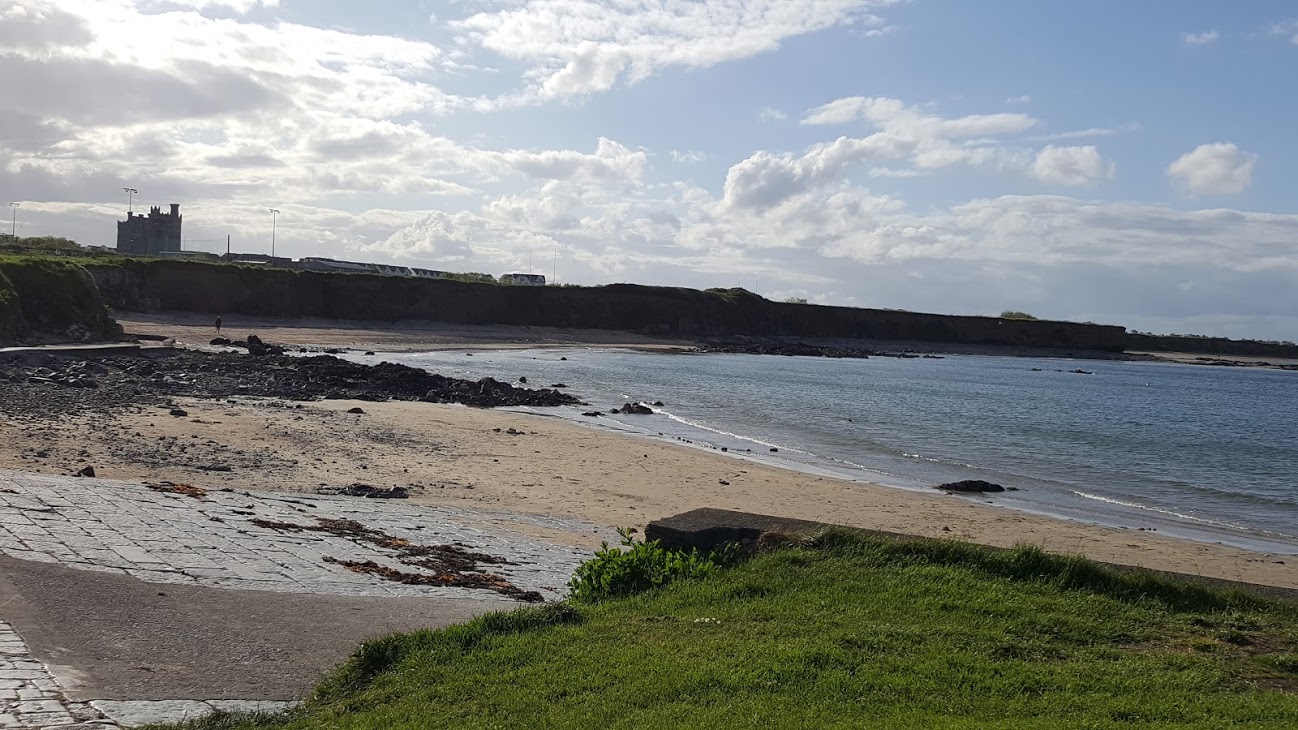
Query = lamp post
x=13 y=231
x=274 y=218
x=130 y=198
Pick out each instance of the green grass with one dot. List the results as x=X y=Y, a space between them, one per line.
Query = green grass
x=49 y=294
x=846 y=632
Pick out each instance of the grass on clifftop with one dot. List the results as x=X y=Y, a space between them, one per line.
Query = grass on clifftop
x=847 y=631
x=49 y=294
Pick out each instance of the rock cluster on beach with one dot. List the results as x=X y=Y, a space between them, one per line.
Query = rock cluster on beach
x=77 y=384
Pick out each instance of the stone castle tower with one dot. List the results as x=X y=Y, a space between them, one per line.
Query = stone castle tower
x=150 y=235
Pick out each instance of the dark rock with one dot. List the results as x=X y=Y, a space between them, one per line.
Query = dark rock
x=89 y=471
x=558 y=385
x=637 y=409
x=357 y=409
x=368 y=492
x=592 y=414
x=657 y=404
x=523 y=380
x=220 y=341
x=774 y=450
x=179 y=412
x=255 y=340
x=369 y=352
x=971 y=486
x=563 y=359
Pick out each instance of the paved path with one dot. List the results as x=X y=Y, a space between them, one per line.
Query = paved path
x=138 y=605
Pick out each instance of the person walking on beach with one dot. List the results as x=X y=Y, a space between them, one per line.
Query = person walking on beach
x=218 y=325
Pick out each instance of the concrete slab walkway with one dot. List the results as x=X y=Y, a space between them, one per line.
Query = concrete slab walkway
x=115 y=597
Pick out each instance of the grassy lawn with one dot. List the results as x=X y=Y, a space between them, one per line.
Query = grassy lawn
x=846 y=632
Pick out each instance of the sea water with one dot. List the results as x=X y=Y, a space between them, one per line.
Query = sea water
x=1199 y=452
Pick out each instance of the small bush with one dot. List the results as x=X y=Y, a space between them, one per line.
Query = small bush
x=643 y=566
x=1012 y=314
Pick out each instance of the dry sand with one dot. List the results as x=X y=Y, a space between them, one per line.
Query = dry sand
x=461 y=456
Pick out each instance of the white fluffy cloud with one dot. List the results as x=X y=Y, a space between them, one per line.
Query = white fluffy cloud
x=1071 y=165
x=927 y=141
x=575 y=47
x=1214 y=169
x=1200 y=39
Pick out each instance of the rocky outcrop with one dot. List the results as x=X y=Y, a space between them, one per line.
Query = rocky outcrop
x=126 y=381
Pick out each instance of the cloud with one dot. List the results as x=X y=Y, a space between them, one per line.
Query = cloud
x=1287 y=28
x=766 y=179
x=1200 y=39
x=237 y=6
x=688 y=157
x=928 y=141
x=1087 y=133
x=1071 y=165
x=771 y=114
x=577 y=47
x=1214 y=169
x=1025 y=99
x=37 y=26
x=894 y=116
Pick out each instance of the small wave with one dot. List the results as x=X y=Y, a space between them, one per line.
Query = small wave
x=741 y=437
x=1160 y=510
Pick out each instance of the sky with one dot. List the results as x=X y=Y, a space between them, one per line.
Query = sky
x=1109 y=161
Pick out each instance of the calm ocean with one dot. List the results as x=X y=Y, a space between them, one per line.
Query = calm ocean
x=1199 y=452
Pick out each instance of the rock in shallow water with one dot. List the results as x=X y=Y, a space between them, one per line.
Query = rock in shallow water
x=971 y=486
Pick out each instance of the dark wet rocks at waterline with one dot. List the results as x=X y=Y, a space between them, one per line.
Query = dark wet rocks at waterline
x=253 y=345
x=974 y=486
x=634 y=409
x=130 y=381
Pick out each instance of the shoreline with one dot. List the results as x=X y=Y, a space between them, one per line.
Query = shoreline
x=517 y=462
x=455 y=455
x=1241 y=538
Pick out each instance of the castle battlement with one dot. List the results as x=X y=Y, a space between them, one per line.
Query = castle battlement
x=150 y=235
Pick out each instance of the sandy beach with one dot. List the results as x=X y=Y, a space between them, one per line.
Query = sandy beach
x=525 y=463
x=516 y=462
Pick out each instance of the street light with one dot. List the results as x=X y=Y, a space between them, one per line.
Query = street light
x=13 y=232
x=274 y=217
x=130 y=198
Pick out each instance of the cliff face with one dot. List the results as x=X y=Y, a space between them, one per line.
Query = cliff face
x=662 y=311
x=50 y=298
x=1210 y=346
